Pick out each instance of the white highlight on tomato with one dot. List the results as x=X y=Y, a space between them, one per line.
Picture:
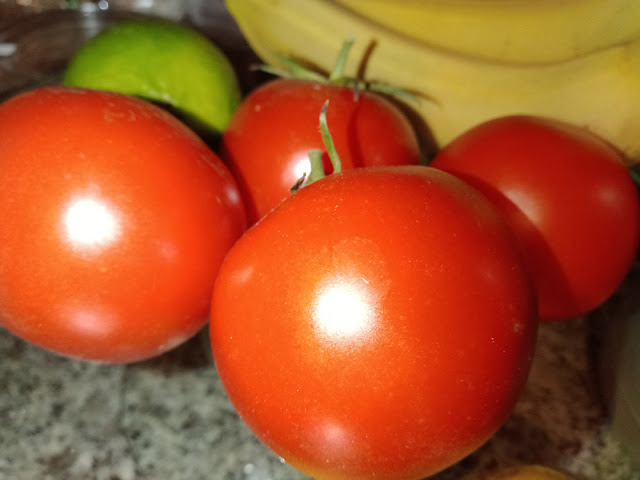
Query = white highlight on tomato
x=343 y=311
x=302 y=167
x=89 y=222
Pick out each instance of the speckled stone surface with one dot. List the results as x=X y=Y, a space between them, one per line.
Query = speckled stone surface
x=169 y=418
x=166 y=418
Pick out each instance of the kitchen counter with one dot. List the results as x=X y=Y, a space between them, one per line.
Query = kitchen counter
x=168 y=418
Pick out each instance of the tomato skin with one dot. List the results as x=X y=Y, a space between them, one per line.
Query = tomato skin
x=117 y=218
x=569 y=199
x=267 y=142
x=377 y=324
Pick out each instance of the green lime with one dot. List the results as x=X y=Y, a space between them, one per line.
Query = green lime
x=163 y=62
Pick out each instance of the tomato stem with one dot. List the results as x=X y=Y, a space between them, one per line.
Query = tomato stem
x=315 y=156
x=328 y=140
x=293 y=69
x=337 y=74
x=317 y=168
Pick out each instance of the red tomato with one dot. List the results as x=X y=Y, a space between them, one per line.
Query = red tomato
x=266 y=144
x=377 y=324
x=568 y=198
x=116 y=219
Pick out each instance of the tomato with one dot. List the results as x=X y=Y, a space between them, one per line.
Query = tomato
x=568 y=198
x=116 y=219
x=267 y=142
x=378 y=323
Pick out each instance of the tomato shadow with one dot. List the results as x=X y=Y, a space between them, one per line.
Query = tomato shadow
x=538 y=256
x=426 y=141
x=406 y=101
x=211 y=138
x=194 y=354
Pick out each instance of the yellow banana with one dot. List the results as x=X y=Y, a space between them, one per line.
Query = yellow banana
x=518 y=31
x=598 y=89
x=520 y=472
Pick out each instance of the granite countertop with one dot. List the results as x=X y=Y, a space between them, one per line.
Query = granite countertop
x=169 y=418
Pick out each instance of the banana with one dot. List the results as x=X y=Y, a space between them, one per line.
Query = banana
x=518 y=31
x=598 y=88
x=520 y=472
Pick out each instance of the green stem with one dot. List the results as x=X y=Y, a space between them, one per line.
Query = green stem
x=317 y=168
x=328 y=140
x=293 y=69
x=315 y=156
x=338 y=69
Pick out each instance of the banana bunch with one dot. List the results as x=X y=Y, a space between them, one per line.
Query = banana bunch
x=471 y=60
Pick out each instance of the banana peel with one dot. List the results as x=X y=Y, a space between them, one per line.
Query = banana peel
x=517 y=31
x=521 y=472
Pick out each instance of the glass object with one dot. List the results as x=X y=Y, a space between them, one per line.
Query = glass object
x=38 y=37
x=173 y=9
x=35 y=48
x=617 y=329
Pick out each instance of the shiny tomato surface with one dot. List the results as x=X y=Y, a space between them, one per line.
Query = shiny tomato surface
x=115 y=217
x=568 y=198
x=377 y=324
x=267 y=142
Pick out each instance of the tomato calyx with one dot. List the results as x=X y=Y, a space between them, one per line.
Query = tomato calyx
x=315 y=156
x=293 y=69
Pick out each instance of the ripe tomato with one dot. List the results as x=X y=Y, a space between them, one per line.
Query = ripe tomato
x=568 y=198
x=266 y=144
x=377 y=324
x=116 y=219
